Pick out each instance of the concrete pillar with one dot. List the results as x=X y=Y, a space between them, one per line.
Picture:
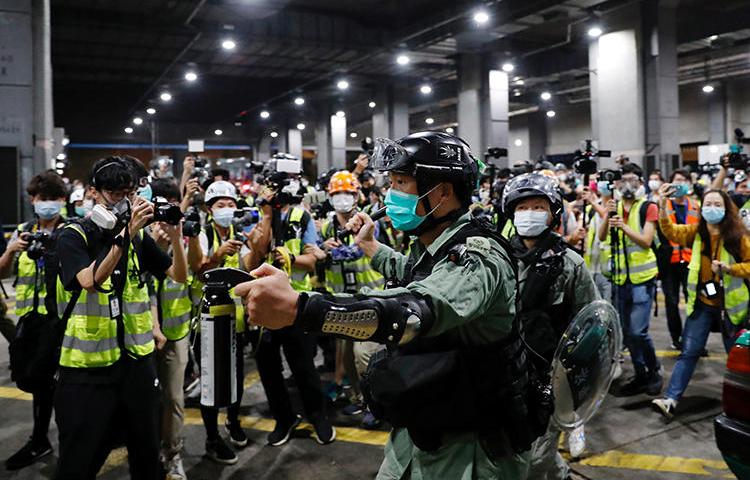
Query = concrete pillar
x=338 y=141
x=322 y=141
x=43 y=118
x=661 y=87
x=737 y=109
x=399 y=111
x=537 y=138
x=470 y=100
x=282 y=143
x=496 y=112
x=294 y=142
x=717 y=116
x=594 y=88
x=264 y=148
x=381 y=115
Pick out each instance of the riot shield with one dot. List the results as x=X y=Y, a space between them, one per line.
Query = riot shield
x=584 y=364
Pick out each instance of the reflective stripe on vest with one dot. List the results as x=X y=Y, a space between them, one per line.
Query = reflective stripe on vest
x=736 y=294
x=364 y=274
x=692 y=217
x=232 y=261
x=91 y=334
x=641 y=262
x=300 y=279
x=176 y=308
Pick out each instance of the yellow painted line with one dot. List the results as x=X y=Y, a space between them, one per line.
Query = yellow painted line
x=251 y=379
x=14 y=394
x=656 y=463
x=717 y=357
x=116 y=458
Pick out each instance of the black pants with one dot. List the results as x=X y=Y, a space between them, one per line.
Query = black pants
x=210 y=415
x=93 y=416
x=42 y=405
x=673 y=277
x=298 y=350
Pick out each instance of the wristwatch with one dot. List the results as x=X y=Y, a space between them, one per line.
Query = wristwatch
x=119 y=241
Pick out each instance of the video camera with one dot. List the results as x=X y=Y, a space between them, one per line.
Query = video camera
x=610 y=176
x=319 y=204
x=38 y=242
x=736 y=159
x=243 y=221
x=192 y=225
x=585 y=160
x=200 y=170
x=367 y=146
x=281 y=178
x=167 y=212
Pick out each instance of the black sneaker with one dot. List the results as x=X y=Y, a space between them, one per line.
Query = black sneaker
x=219 y=452
x=237 y=436
x=283 y=431
x=324 y=432
x=28 y=454
x=353 y=409
x=635 y=386
x=654 y=384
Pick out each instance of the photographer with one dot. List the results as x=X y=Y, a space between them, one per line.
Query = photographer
x=741 y=194
x=596 y=254
x=630 y=233
x=717 y=289
x=108 y=388
x=47 y=193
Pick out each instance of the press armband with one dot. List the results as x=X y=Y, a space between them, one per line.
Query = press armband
x=394 y=320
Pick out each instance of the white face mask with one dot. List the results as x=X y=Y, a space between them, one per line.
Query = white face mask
x=223 y=216
x=343 y=202
x=484 y=195
x=654 y=185
x=529 y=223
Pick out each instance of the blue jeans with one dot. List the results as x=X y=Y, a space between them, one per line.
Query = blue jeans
x=694 y=338
x=634 y=306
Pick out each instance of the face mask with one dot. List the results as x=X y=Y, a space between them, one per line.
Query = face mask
x=223 y=216
x=103 y=217
x=629 y=191
x=530 y=224
x=563 y=178
x=680 y=190
x=305 y=182
x=343 y=202
x=81 y=211
x=713 y=215
x=484 y=195
x=145 y=192
x=47 y=209
x=604 y=189
x=292 y=188
x=654 y=185
x=402 y=208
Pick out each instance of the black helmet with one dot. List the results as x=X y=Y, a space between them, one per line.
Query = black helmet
x=532 y=185
x=432 y=156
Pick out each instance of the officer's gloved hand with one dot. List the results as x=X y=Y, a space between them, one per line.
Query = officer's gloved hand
x=270 y=301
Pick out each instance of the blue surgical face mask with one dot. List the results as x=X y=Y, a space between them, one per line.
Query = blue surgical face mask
x=604 y=189
x=402 y=209
x=47 y=209
x=680 y=190
x=81 y=211
x=713 y=215
x=145 y=192
x=223 y=216
x=530 y=223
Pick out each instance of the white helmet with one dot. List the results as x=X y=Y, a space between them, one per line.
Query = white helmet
x=76 y=195
x=220 y=189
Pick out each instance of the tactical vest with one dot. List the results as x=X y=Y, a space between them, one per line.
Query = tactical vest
x=735 y=289
x=361 y=269
x=681 y=254
x=90 y=338
x=630 y=261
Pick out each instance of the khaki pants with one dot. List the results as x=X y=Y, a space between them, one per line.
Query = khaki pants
x=362 y=353
x=171 y=363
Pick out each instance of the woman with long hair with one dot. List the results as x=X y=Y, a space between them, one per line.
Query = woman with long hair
x=717 y=289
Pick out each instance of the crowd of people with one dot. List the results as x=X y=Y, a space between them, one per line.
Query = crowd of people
x=424 y=246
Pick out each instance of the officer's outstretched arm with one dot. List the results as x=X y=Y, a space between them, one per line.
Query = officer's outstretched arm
x=393 y=320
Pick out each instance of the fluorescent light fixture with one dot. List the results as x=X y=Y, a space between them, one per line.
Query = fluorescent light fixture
x=481 y=17
x=218 y=131
x=425 y=89
x=595 y=32
x=508 y=67
x=264 y=114
x=550 y=113
x=299 y=101
x=708 y=88
x=128 y=130
x=274 y=134
x=228 y=44
x=137 y=121
x=372 y=104
x=340 y=114
x=545 y=96
x=300 y=126
x=151 y=110
x=429 y=120
x=191 y=76
x=342 y=84
x=165 y=97
x=403 y=59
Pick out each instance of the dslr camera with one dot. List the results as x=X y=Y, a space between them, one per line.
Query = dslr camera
x=166 y=212
x=244 y=219
x=200 y=170
x=192 y=225
x=610 y=176
x=585 y=160
x=38 y=242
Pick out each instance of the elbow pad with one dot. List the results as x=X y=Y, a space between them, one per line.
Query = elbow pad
x=394 y=320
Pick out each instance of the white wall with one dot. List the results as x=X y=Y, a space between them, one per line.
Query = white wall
x=693 y=115
x=568 y=128
x=518 y=130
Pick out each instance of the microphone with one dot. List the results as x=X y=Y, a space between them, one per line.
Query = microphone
x=377 y=215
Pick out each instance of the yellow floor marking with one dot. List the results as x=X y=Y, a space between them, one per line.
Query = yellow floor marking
x=657 y=463
x=116 y=458
x=251 y=379
x=717 y=357
x=14 y=394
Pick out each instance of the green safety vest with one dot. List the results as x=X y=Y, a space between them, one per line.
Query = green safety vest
x=634 y=261
x=176 y=308
x=605 y=252
x=300 y=279
x=231 y=261
x=364 y=274
x=736 y=295
x=508 y=229
x=90 y=339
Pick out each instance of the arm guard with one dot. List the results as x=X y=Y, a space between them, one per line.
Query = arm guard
x=394 y=320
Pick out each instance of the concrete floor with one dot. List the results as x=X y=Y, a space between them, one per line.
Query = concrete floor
x=626 y=439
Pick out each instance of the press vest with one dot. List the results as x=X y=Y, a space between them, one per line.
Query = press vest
x=90 y=339
x=176 y=308
x=681 y=254
x=632 y=261
x=364 y=274
x=230 y=261
x=605 y=252
x=295 y=226
x=735 y=290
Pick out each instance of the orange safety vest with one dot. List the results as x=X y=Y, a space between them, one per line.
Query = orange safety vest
x=682 y=254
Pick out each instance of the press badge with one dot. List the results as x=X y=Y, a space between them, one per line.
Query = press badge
x=114 y=307
x=710 y=289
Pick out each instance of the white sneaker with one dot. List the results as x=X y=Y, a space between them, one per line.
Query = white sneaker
x=175 y=470
x=665 y=406
x=618 y=371
x=577 y=442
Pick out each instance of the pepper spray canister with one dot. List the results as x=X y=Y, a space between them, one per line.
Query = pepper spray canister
x=218 y=347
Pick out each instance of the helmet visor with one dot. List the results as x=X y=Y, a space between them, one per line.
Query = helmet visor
x=388 y=155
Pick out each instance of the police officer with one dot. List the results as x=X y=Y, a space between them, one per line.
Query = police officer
x=108 y=387
x=453 y=312
x=47 y=193
x=554 y=284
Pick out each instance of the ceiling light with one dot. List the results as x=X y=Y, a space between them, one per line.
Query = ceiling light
x=516 y=93
x=545 y=96
x=550 y=113
x=128 y=129
x=342 y=84
x=372 y=104
x=151 y=110
x=595 y=32
x=403 y=59
x=518 y=142
x=708 y=88
x=61 y=156
x=300 y=126
x=425 y=89
x=449 y=130
x=508 y=67
x=65 y=141
x=228 y=44
x=353 y=135
x=264 y=114
x=218 y=131
x=429 y=120
x=340 y=114
x=59 y=171
x=299 y=101
x=60 y=165
x=191 y=76
x=166 y=97
x=519 y=82
x=137 y=121
x=274 y=134
x=481 y=17
x=713 y=37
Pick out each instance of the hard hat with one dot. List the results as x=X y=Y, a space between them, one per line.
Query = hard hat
x=76 y=195
x=220 y=189
x=343 y=181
